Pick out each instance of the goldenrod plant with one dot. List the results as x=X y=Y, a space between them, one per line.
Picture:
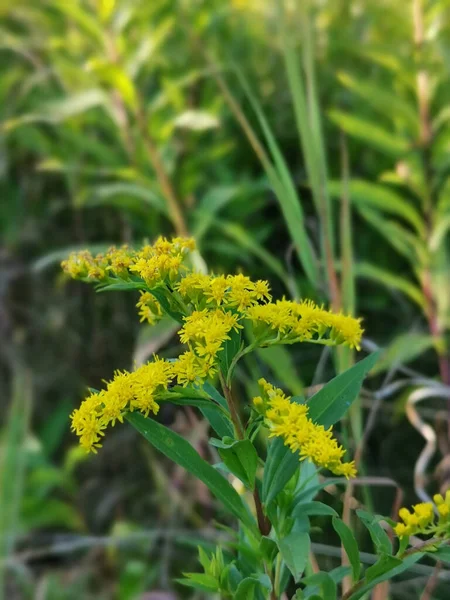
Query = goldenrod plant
x=276 y=450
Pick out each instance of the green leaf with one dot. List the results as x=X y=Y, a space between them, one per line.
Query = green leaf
x=325 y=582
x=200 y=581
x=379 y=537
x=120 y=193
x=218 y=421
x=294 y=549
x=313 y=508
x=388 y=103
x=305 y=495
x=403 y=349
x=350 y=545
x=383 y=565
x=281 y=464
x=404 y=566
x=230 y=348
x=390 y=280
x=284 y=188
x=60 y=110
x=442 y=554
x=331 y=403
x=201 y=403
x=13 y=464
x=269 y=548
x=182 y=453
x=398 y=235
x=122 y=286
x=248 y=586
x=241 y=459
x=161 y=296
x=374 y=135
x=374 y=195
x=209 y=389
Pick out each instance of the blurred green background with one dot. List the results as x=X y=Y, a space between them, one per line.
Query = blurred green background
x=307 y=143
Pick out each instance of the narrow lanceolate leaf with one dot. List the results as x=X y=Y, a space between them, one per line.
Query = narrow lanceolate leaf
x=249 y=586
x=294 y=549
x=379 y=537
x=182 y=453
x=391 y=281
x=386 y=102
x=332 y=402
x=404 y=349
x=313 y=508
x=389 y=574
x=379 y=196
x=281 y=464
x=324 y=581
x=384 y=564
x=218 y=421
x=350 y=545
x=442 y=554
x=241 y=459
x=374 y=135
x=284 y=188
x=12 y=467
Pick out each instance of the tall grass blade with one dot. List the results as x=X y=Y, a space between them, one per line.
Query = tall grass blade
x=284 y=188
x=12 y=468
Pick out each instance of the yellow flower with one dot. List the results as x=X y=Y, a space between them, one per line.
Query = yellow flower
x=290 y=421
x=303 y=321
x=421 y=520
x=149 y=308
x=126 y=391
x=206 y=331
x=188 y=369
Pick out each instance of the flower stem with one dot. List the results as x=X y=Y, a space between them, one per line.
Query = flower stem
x=263 y=522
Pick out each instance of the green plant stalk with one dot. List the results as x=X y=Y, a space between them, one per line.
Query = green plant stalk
x=12 y=467
x=263 y=523
x=426 y=142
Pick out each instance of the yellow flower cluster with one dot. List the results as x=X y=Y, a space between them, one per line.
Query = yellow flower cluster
x=236 y=291
x=301 y=321
x=138 y=390
x=155 y=264
x=149 y=308
x=290 y=421
x=204 y=332
x=161 y=265
x=212 y=308
x=422 y=518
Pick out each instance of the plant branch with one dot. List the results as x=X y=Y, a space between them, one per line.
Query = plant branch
x=263 y=523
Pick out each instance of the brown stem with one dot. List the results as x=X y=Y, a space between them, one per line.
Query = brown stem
x=164 y=181
x=232 y=408
x=263 y=522
x=432 y=582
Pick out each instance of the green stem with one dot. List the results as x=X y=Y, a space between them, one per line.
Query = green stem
x=277 y=579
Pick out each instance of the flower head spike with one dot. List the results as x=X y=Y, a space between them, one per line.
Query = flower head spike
x=290 y=421
x=421 y=520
